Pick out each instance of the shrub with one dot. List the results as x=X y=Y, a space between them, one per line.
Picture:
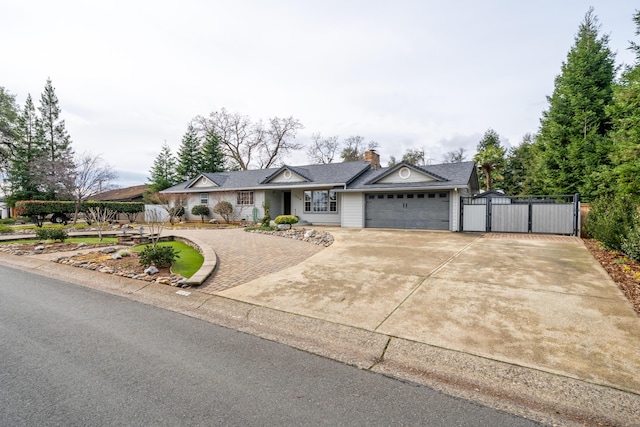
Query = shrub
x=160 y=256
x=124 y=253
x=200 y=210
x=286 y=219
x=610 y=220
x=224 y=209
x=266 y=219
x=52 y=234
x=631 y=244
x=5 y=228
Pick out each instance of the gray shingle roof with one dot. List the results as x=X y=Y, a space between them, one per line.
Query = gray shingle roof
x=318 y=175
x=452 y=175
x=357 y=176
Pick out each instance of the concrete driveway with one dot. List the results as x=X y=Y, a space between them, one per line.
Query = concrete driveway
x=538 y=302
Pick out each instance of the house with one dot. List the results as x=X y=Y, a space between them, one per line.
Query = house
x=351 y=194
x=128 y=194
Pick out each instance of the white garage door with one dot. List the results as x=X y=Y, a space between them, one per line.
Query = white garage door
x=429 y=211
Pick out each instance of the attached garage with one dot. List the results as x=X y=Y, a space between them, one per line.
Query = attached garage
x=420 y=210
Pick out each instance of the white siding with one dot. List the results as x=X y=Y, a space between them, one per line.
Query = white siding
x=294 y=177
x=454 y=211
x=352 y=209
x=204 y=182
x=297 y=208
x=414 y=176
x=240 y=211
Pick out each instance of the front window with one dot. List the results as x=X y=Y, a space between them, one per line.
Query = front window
x=204 y=199
x=319 y=201
x=244 y=198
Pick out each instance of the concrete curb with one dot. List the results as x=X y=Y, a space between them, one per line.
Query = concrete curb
x=210 y=260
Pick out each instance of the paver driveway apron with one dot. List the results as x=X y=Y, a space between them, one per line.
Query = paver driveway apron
x=538 y=303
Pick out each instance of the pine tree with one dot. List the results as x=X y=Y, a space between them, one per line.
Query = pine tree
x=189 y=155
x=490 y=159
x=23 y=167
x=625 y=115
x=522 y=168
x=574 y=129
x=55 y=168
x=163 y=171
x=213 y=159
x=8 y=124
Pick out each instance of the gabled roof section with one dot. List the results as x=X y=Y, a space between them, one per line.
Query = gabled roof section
x=443 y=176
x=203 y=181
x=395 y=175
x=317 y=176
x=287 y=174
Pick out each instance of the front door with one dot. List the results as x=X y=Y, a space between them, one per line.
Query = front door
x=287 y=202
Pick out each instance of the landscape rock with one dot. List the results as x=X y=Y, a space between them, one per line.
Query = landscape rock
x=109 y=250
x=151 y=270
x=116 y=256
x=310 y=236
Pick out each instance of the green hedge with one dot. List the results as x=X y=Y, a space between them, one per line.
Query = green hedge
x=45 y=207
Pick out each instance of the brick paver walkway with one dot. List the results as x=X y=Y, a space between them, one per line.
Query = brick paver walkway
x=244 y=256
x=531 y=236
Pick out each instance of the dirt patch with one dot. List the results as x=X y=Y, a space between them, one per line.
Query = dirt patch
x=126 y=265
x=623 y=270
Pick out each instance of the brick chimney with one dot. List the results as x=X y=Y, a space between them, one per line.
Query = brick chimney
x=372 y=157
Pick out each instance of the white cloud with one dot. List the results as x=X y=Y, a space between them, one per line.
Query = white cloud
x=130 y=75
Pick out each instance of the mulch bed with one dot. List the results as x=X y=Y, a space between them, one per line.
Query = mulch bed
x=623 y=270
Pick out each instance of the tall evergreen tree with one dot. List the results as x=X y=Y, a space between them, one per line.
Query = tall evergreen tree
x=23 y=167
x=189 y=155
x=625 y=115
x=8 y=124
x=163 y=171
x=490 y=159
x=522 y=168
x=213 y=158
x=56 y=168
x=574 y=129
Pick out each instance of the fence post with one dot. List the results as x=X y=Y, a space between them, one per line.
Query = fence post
x=576 y=214
x=530 y=214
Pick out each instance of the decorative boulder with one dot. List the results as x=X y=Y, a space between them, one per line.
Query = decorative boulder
x=109 y=250
x=116 y=256
x=151 y=270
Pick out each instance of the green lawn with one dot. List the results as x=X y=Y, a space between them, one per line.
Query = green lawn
x=189 y=260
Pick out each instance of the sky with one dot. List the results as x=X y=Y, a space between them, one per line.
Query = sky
x=408 y=74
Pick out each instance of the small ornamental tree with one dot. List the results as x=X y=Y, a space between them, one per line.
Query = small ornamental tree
x=224 y=209
x=201 y=210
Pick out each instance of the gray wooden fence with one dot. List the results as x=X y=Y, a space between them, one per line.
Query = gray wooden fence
x=521 y=214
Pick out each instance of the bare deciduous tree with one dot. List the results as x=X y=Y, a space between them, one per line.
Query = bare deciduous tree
x=247 y=143
x=155 y=224
x=101 y=216
x=279 y=140
x=322 y=150
x=92 y=176
x=455 y=156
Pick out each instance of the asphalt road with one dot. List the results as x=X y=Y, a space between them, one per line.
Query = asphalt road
x=72 y=356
